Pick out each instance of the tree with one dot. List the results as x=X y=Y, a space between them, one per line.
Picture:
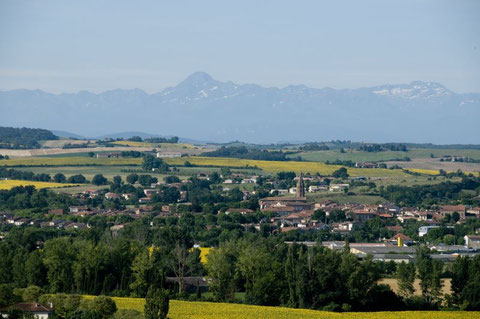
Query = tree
x=7 y=297
x=101 y=304
x=156 y=303
x=99 y=179
x=429 y=272
x=172 y=179
x=117 y=181
x=59 y=178
x=406 y=274
x=132 y=178
x=77 y=179
x=340 y=173
x=147 y=180
x=179 y=264
x=154 y=163
x=58 y=260
x=455 y=216
x=32 y=293
x=221 y=268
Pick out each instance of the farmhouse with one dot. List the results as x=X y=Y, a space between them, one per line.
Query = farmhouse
x=76 y=209
x=169 y=154
x=315 y=188
x=472 y=241
x=449 y=210
x=56 y=212
x=338 y=187
x=111 y=196
x=242 y=211
x=37 y=310
x=366 y=165
x=109 y=154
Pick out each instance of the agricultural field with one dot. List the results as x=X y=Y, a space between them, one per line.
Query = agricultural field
x=204 y=310
x=87 y=171
x=159 y=146
x=421 y=164
x=62 y=142
x=360 y=156
x=69 y=151
x=279 y=166
x=8 y=184
x=70 y=161
x=392 y=282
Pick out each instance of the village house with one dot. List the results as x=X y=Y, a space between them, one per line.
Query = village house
x=150 y=192
x=338 y=187
x=343 y=228
x=472 y=241
x=144 y=200
x=361 y=216
x=110 y=195
x=168 y=154
x=405 y=240
x=473 y=212
x=127 y=196
x=76 y=226
x=450 y=209
x=243 y=211
x=366 y=165
x=279 y=191
x=109 y=154
x=56 y=212
x=76 y=209
x=91 y=192
x=37 y=310
x=317 y=188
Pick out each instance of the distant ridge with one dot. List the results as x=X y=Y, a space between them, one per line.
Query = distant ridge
x=65 y=134
x=204 y=109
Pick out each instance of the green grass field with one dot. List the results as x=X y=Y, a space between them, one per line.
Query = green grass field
x=359 y=156
x=70 y=161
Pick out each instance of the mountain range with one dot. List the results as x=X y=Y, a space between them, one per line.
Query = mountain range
x=202 y=108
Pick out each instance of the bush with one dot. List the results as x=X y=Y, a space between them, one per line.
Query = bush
x=156 y=304
x=104 y=305
x=32 y=293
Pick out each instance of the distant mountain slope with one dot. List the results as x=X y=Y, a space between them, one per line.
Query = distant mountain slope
x=65 y=134
x=202 y=108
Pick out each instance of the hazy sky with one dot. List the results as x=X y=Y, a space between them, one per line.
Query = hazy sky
x=67 y=46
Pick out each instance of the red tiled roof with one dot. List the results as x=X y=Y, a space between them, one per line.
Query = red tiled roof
x=402 y=236
x=29 y=307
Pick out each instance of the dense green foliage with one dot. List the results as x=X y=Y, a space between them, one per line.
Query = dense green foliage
x=426 y=195
x=15 y=138
x=246 y=153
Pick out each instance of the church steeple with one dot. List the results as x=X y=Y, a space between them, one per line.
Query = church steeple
x=300 y=187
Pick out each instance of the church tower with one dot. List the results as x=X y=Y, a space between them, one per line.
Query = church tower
x=300 y=187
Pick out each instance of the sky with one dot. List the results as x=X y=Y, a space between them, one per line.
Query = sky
x=69 y=46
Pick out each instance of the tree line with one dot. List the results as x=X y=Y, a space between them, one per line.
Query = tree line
x=23 y=138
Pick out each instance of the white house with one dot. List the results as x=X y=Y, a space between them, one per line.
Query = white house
x=169 y=154
x=38 y=311
x=472 y=241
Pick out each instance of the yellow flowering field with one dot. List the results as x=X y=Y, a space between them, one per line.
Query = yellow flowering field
x=204 y=310
x=8 y=184
x=71 y=161
x=279 y=166
x=424 y=171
